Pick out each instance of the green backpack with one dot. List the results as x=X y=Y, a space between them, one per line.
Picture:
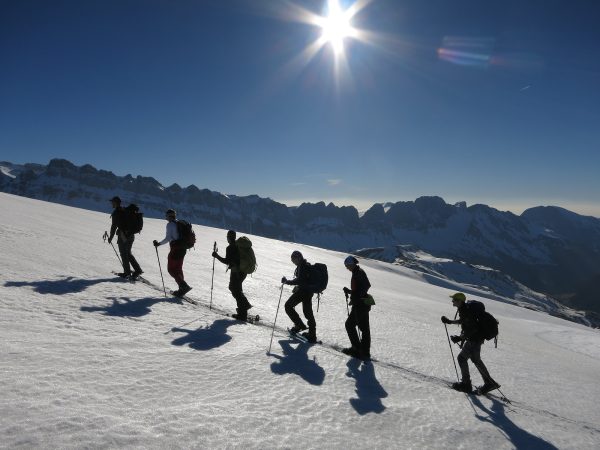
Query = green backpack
x=247 y=258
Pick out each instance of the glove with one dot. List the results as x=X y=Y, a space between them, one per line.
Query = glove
x=214 y=254
x=347 y=291
x=455 y=339
x=284 y=280
x=109 y=240
x=155 y=243
x=446 y=320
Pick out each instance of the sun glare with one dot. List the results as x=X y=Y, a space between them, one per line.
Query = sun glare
x=336 y=26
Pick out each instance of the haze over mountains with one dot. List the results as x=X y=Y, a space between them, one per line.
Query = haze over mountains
x=546 y=249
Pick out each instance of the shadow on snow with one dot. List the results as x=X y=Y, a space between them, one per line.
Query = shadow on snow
x=67 y=285
x=206 y=338
x=519 y=437
x=295 y=361
x=125 y=307
x=369 y=391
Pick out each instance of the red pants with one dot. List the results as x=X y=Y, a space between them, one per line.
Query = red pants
x=175 y=264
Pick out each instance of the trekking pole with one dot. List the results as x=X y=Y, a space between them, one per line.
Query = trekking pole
x=276 y=313
x=451 y=352
x=104 y=237
x=213 y=276
x=347 y=307
x=160 y=268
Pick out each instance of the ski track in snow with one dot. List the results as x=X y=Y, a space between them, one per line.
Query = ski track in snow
x=92 y=361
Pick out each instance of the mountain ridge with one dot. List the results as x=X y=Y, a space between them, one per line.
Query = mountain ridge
x=547 y=248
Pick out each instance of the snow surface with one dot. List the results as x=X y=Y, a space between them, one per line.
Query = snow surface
x=91 y=361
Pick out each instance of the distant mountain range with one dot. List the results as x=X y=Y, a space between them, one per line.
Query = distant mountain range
x=548 y=249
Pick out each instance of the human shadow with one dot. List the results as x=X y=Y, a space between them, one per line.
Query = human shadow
x=66 y=285
x=295 y=361
x=205 y=338
x=125 y=307
x=369 y=391
x=520 y=438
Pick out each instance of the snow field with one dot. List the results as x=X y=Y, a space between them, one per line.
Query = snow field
x=92 y=361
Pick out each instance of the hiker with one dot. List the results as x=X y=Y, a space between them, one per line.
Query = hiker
x=236 y=276
x=125 y=239
x=359 y=315
x=301 y=294
x=176 y=254
x=470 y=341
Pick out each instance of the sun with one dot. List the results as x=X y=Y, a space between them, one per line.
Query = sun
x=336 y=26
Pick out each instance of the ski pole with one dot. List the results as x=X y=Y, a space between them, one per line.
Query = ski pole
x=213 y=276
x=160 y=268
x=276 y=313
x=111 y=244
x=451 y=352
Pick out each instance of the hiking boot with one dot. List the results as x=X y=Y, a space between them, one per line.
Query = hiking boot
x=487 y=387
x=176 y=293
x=364 y=356
x=184 y=289
x=240 y=316
x=136 y=274
x=310 y=336
x=124 y=274
x=350 y=351
x=463 y=386
x=298 y=328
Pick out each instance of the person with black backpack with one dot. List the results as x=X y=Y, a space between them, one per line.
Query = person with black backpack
x=302 y=294
x=359 y=315
x=176 y=254
x=236 y=276
x=122 y=226
x=470 y=340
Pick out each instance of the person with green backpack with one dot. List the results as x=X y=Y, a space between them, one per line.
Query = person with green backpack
x=240 y=260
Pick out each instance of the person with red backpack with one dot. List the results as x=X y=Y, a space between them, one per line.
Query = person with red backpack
x=236 y=277
x=176 y=253
x=125 y=239
x=470 y=340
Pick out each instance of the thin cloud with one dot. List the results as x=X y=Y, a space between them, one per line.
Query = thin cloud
x=334 y=181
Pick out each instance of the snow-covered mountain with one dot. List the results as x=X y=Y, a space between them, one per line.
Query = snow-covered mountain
x=91 y=361
x=547 y=249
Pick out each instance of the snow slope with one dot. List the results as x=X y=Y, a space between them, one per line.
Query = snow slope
x=90 y=361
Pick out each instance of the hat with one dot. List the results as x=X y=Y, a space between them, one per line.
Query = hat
x=297 y=255
x=115 y=199
x=458 y=296
x=350 y=261
x=171 y=212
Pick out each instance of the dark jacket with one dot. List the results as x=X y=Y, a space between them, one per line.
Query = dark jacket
x=118 y=221
x=468 y=323
x=301 y=276
x=232 y=257
x=359 y=286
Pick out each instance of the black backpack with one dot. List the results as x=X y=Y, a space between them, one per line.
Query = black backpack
x=134 y=219
x=486 y=323
x=318 y=278
x=187 y=237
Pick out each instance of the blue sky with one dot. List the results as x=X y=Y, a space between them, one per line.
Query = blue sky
x=488 y=102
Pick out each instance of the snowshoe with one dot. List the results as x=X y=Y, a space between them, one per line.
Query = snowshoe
x=310 y=337
x=487 y=387
x=297 y=329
